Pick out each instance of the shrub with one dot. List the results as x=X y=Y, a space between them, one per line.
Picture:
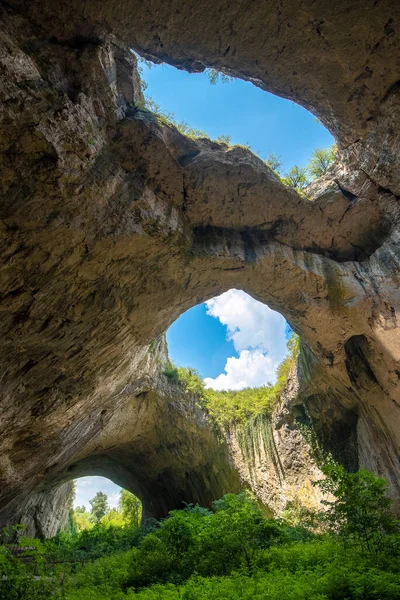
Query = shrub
x=25 y=574
x=360 y=511
x=321 y=160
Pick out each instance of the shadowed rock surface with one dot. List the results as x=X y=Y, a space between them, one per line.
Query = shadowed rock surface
x=113 y=224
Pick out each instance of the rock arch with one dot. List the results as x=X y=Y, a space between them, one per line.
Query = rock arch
x=112 y=224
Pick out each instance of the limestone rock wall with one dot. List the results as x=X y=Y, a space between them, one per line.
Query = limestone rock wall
x=44 y=513
x=274 y=457
x=112 y=224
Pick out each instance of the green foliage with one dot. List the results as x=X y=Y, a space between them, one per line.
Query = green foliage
x=274 y=162
x=83 y=519
x=131 y=508
x=317 y=569
x=240 y=524
x=321 y=160
x=24 y=572
x=231 y=552
x=191 y=381
x=231 y=406
x=169 y=118
x=224 y=139
x=142 y=61
x=172 y=373
x=99 y=506
x=296 y=178
x=332 y=583
x=227 y=406
x=215 y=76
x=104 y=538
x=196 y=540
x=72 y=525
x=299 y=178
x=114 y=518
x=360 y=511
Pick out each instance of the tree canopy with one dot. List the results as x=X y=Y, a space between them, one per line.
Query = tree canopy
x=99 y=506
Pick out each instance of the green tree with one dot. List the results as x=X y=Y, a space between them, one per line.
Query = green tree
x=234 y=534
x=274 y=162
x=320 y=161
x=114 y=518
x=84 y=520
x=224 y=139
x=131 y=508
x=99 y=506
x=214 y=76
x=360 y=511
x=296 y=178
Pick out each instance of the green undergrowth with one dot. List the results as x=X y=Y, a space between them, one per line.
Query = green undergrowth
x=319 y=569
x=226 y=407
x=348 y=551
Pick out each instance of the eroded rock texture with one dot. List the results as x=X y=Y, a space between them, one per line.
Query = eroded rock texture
x=113 y=224
x=275 y=455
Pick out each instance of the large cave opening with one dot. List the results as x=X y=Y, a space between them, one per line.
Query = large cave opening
x=234 y=111
x=233 y=341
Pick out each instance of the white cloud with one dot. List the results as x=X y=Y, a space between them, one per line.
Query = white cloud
x=251 y=369
x=87 y=487
x=258 y=335
x=113 y=500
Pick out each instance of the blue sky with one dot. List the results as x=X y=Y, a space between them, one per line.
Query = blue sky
x=87 y=487
x=233 y=341
x=239 y=109
x=211 y=337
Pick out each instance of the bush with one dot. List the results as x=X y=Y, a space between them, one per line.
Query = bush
x=196 y=540
x=97 y=542
x=360 y=512
x=25 y=574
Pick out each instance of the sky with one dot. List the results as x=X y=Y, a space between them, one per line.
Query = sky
x=238 y=109
x=233 y=340
x=87 y=487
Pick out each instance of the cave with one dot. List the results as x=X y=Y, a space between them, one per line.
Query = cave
x=113 y=223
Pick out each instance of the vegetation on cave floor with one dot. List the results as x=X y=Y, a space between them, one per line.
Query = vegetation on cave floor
x=128 y=512
x=236 y=407
x=350 y=550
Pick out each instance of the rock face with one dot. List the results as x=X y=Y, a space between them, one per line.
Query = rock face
x=112 y=224
x=152 y=439
x=275 y=456
x=43 y=513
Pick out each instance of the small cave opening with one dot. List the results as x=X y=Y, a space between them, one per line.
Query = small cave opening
x=97 y=500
